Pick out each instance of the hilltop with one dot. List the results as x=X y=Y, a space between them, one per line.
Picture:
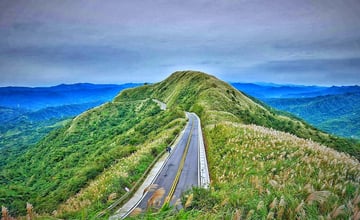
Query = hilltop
x=214 y=100
x=262 y=162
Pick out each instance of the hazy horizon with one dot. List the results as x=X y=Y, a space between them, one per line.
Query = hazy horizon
x=94 y=83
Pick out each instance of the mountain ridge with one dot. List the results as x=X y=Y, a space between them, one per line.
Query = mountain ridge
x=41 y=97
x=259 y=169
x=266 y=91
x=101 y=145
x=196 y=91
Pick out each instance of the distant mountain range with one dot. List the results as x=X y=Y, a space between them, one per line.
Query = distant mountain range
x=265 y=91
x=333 y=109
x=28 y=114
x=42 y=97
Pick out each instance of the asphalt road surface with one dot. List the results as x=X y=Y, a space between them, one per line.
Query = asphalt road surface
x=189 y=175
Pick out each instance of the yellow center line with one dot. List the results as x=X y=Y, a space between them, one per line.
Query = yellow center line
x=181 y=166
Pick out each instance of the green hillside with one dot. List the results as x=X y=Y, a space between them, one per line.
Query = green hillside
x=86 y=149
x=20 y=129
x=337 y=114
x=214 y=100
x=259 y=170
x=261 y=173
x=262 y=163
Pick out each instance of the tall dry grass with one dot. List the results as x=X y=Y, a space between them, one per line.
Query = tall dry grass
x=155 y=199
x=272 y=174
x=4 y=213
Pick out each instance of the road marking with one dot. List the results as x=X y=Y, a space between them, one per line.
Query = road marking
x=181 y=166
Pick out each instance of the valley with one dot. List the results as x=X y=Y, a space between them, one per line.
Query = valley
x=332 y=109
x=335 y=114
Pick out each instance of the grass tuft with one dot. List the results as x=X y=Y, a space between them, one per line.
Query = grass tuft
x=136 y=212
x=155 y=199
x=189 y=200
x=318 y=196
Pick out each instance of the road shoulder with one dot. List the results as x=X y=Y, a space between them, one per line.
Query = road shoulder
x=139 y=194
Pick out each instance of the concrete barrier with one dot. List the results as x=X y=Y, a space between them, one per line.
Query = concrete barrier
x=204 y=177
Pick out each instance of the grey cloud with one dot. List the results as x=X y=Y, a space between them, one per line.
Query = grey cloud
x=316 y=71
x=70 y=54
x=127 y=40
x=330 y=47
x=321 y=65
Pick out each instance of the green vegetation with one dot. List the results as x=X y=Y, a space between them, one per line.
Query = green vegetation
x=257 y=171
x=262 y=162
x=109 y=146
x=279 y=174
x=20 y=129
x=260 y=173
x=214 y=100
x=337 y=114
x=17 y=137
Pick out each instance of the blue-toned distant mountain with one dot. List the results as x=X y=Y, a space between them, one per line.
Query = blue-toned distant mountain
x=28 y=114
x=333 y=109
x=269 y=90
x=337 y=114
x=41 y=97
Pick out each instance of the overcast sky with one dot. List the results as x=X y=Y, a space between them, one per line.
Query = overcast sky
x=45 y=42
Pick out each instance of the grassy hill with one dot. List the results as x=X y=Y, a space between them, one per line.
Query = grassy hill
x=98 y=153
x=214 y=101
x=262 y=163
x=261 y=173
x=28 y=114
x=21 y=129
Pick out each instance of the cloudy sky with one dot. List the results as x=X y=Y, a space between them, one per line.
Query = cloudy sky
x=308 y=42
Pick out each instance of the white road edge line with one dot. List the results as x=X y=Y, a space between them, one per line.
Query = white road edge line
x=121 y=214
